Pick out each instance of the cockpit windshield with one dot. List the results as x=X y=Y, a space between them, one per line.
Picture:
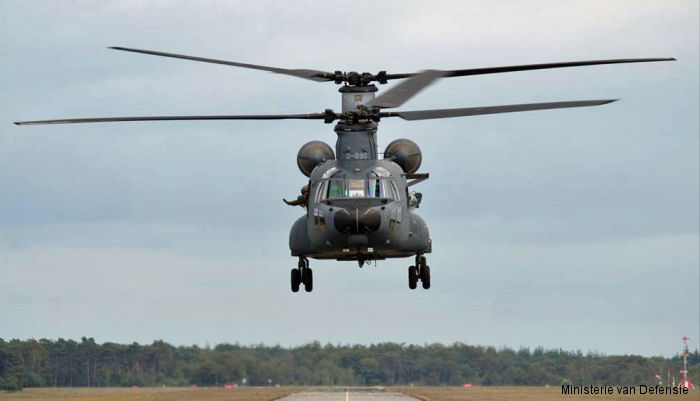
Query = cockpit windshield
x=340 y=187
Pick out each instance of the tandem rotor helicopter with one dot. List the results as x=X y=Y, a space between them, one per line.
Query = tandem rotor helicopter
x=360 y=207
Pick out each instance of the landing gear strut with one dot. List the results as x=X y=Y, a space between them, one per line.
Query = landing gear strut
x=421 y=271
x=302 y=275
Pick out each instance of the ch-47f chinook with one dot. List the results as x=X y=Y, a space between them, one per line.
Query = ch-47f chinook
x=360 y=207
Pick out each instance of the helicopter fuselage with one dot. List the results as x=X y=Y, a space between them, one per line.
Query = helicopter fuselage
x=356 y=214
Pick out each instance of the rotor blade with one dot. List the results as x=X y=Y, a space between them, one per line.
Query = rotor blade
x=475 y=111
x=400 y=93
x=314 y=75
x=526 y=67
x=313 y=116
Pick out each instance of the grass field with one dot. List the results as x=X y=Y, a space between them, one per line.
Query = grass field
x=523 y=394
x=150 y=394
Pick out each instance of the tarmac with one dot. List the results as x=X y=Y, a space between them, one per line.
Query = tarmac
x=347 y=395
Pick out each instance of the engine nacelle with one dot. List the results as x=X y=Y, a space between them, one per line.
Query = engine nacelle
x=312 y=154
x=405 y=153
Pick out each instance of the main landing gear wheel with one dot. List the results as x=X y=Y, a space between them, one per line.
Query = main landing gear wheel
x=308 y=277
x=296 y=280
x=412 y=277
x=421 y=271
x=425 y=276
x=302 y=275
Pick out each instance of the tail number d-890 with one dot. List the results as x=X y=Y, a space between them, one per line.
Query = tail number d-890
x=357 y=156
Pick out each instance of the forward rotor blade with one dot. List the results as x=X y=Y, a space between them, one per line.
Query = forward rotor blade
x=314 y=75
x=475 y=111
x=399 y=94
x=526 y=67
x=313 y=116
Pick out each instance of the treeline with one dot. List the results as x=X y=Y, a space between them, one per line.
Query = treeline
x=67 y=363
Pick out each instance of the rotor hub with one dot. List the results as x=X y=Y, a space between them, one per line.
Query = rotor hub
x=354 y=78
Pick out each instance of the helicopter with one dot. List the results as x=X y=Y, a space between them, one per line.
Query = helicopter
x=360 y=207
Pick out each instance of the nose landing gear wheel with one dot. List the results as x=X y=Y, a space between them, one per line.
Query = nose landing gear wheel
x=412 y=277
x=295 y=279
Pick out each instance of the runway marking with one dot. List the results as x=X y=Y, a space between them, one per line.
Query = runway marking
x=368 y=394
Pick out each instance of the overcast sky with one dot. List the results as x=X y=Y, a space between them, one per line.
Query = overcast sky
x=573 y=228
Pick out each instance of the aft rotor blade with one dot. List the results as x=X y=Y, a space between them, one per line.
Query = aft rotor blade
x=475 y=111
x=313 y=116
x=527 y=67
x=314 y=75
x=400 y=93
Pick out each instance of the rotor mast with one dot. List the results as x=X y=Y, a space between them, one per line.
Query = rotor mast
x=357 y=140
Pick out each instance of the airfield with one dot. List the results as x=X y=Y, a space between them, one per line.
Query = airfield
x=316 y=394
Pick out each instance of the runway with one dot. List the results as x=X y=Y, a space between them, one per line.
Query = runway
x=347 y=396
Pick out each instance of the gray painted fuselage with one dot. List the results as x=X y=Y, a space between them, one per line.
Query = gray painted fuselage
x=357 y=226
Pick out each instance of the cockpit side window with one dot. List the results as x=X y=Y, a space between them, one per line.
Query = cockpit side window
x=321 y=190
x=337 y=188
x=378 y=188
x=332 y=187
x=380 y=185
x=373 y=189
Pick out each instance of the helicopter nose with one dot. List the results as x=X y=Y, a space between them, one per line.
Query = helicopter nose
x=357 y=221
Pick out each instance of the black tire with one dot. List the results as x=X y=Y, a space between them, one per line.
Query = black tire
x=295 y=279
x=425 y=277
x=412 y=277
x=308 y=280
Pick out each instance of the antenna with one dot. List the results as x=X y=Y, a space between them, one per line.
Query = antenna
x=685 y=383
